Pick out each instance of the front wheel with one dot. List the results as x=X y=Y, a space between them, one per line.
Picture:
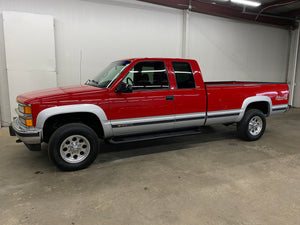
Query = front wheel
x=252 y=126
x=73 y=147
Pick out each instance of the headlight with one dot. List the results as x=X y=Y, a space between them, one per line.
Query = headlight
x=25 y=109
x=25 y=114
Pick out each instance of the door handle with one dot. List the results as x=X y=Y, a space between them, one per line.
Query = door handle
x=170 y=98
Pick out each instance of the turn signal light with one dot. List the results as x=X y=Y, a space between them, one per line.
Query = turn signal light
x=27 y=110
x=29 y=122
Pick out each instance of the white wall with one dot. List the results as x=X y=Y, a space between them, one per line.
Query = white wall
x=102 y=31
x=296 y=100
x=106 y=30
x=297 y=87
x=4 y=98
x=30 y=53
x=233 y=50
x=292 y=65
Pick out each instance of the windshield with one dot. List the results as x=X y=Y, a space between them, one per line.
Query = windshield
x=108 y=75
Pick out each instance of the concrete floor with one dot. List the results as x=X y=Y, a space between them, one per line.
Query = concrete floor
x=211 y=178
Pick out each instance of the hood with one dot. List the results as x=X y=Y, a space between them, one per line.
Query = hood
x=67 y=93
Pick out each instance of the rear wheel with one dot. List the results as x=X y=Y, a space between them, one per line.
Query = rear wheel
x=73 y=146
x=252 y=126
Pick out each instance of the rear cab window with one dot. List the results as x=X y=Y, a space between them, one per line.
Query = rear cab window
x=184 y=75
x=148 y=75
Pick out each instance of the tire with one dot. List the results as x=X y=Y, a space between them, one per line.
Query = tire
x=34 y=147
x=73 y=147
x=252 y=126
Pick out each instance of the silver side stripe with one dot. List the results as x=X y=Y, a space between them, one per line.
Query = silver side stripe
x=171 y=119
x=189 y=116
x=280 y=107
x=157 y=120
x=223 y=113
x=224 y=116
x=142 y=121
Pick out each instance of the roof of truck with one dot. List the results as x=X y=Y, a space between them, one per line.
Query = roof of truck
x=157 y=58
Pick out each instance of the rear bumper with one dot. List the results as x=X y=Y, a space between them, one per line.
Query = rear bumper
x=28 y=135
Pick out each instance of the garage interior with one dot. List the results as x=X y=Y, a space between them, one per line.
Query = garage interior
x=210 y=178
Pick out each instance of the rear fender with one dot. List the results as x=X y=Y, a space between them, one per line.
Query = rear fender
x=254 y=99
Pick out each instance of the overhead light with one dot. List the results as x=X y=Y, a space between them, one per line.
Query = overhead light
x=246 y=2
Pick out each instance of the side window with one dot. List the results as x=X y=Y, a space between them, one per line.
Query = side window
x=184 y=75
x=148 y=75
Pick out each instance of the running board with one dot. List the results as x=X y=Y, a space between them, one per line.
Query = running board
x=127 y=139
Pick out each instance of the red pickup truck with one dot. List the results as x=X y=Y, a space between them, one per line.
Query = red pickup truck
x=139 y=99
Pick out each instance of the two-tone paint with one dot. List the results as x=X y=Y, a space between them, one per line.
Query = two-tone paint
x=152 y=110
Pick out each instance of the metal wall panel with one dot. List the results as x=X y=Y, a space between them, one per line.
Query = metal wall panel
x=30 y=53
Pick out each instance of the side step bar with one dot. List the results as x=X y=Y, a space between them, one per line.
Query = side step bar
x=152 y=136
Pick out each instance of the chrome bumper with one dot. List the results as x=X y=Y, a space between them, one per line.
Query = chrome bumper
x=28 y=135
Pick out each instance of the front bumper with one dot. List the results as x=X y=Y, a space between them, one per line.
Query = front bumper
x=28 y=135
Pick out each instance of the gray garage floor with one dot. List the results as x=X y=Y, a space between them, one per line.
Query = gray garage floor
x=213 y=178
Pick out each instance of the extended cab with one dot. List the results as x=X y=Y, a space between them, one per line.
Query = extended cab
x=139 y=99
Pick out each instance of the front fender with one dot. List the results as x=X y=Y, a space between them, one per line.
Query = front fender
x=78 y=108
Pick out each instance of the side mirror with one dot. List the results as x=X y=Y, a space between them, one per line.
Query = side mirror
x=123 y=88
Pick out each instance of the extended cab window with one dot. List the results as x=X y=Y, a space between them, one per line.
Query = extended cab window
x=148 y=75
x=184 y=75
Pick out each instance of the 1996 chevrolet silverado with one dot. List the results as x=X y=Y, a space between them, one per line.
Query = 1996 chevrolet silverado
x=140 y=99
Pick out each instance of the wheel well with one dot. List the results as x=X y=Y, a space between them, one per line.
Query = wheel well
x=262 y=106
x=57 y=121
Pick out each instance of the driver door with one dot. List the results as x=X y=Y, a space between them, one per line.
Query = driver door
x=150 y=107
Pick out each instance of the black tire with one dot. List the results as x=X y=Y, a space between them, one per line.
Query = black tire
x=78 y=134
x=248 y=132
x=34 y=147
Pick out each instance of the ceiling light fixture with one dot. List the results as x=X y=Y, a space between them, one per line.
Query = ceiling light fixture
x=246 y=2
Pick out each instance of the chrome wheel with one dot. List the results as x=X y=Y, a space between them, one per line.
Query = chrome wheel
x=75 y=149
x=255 y=125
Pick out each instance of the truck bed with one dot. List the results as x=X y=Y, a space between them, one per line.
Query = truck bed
x=230 y=95
x=236 y=83
x=225 y=99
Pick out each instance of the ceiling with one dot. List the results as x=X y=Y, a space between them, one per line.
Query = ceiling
x=282 y=13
